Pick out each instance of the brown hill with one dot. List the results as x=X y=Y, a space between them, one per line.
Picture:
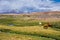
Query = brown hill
x=46 y=16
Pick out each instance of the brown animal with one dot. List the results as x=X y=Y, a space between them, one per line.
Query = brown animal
x=47 y=25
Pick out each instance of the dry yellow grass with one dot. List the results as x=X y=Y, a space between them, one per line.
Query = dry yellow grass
x=28 y=30
x=9 y=36
x=6 y=36
x=32 y=29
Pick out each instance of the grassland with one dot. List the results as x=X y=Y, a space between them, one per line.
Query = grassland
x=9 y=36
x=25 y=28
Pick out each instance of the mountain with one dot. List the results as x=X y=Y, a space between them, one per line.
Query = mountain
x=46 y=16
x=51 y=14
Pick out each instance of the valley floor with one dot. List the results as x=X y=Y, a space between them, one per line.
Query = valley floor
x=28 y=33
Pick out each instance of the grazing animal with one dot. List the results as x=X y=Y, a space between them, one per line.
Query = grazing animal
x=47 y=25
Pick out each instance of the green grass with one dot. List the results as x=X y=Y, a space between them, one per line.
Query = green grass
x=10 y=36
x=25 y=22
x=32 y=31
x=27 y=28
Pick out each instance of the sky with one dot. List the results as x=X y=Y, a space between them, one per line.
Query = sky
x=28 y=6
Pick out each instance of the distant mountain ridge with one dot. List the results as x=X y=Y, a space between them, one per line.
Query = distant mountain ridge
x=46 y=16
x=40 y=14
x=37 y=13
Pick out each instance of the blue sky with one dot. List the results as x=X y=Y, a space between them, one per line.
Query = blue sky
x=23 y=6
x=56 y=1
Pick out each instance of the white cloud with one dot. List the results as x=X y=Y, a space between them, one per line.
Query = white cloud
x=18 y=5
